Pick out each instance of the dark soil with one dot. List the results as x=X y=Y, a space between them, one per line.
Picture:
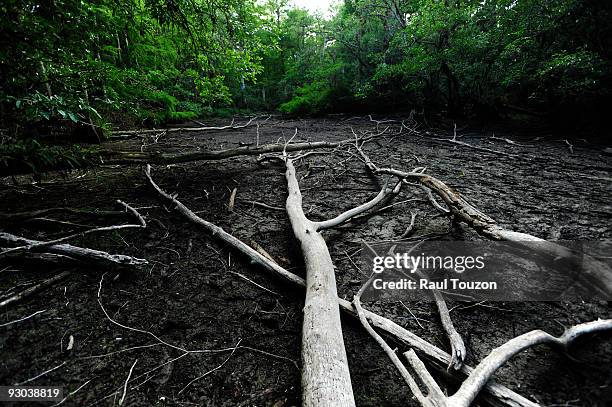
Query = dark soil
x=191 y=297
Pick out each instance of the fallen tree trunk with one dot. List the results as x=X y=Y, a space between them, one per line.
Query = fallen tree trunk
x=495 y=394
x=180 y=129
x=326 y=380
x=143 y=157
x=137 y=157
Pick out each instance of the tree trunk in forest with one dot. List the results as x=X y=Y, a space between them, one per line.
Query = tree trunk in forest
x=455 y=107
x=326 y=379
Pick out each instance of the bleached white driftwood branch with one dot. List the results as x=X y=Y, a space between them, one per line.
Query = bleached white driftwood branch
x=485 y=370
x=85 y=255
x=594 y=272
x=496 y=394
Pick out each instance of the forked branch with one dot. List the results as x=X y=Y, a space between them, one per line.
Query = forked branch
x=485 y=370
x=184 y=129
x=495 y=393
x=594 y=273
x=39 y=245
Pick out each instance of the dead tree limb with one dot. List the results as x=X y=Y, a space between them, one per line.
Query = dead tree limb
x=34 y=289
x=414 y=387
x=40 y=245
x=219 y=233
x=496 y=394
x=462 y=143
x=485 y=370
x=16 y=217
x=140 y=157
x=458 y=351
x=326 y=380
x=596 y=273
x=344 y=217
x=483 y=149
x=137 y=157
x=88 y=256
x=137 y=132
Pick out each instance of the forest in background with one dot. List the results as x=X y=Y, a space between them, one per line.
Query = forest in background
x=70 y=71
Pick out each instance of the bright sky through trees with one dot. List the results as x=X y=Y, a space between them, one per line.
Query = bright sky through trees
x=322 y=6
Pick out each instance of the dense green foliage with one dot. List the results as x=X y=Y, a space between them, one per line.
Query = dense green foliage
x=80 y=67
x=461 y=57
x=150 y=60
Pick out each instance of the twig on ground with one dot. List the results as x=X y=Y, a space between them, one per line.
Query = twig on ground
x=254 y=283
x=125 y=385
x=34 y=289
x=22 y=319
x=408 y=230
x=232 y=200
x=38 y=376
x=72 y=393
x=211 y=370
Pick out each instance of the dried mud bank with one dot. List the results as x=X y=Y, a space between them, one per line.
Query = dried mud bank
x=196 y=294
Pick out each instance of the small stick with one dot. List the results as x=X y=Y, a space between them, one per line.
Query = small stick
x=262 y=251
x=72 y=393
x=254 y=283
x=266 y=206
x=122 y=399
x=232 y=200
x=34 y=289
x=212 y=370
x=23 y=319
x=408 y=231
x=40 y=375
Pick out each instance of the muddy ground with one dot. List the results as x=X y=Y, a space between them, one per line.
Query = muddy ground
x=190 y=295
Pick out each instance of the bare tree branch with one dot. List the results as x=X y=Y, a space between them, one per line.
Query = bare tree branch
x=485 y=370
x=495 y=393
